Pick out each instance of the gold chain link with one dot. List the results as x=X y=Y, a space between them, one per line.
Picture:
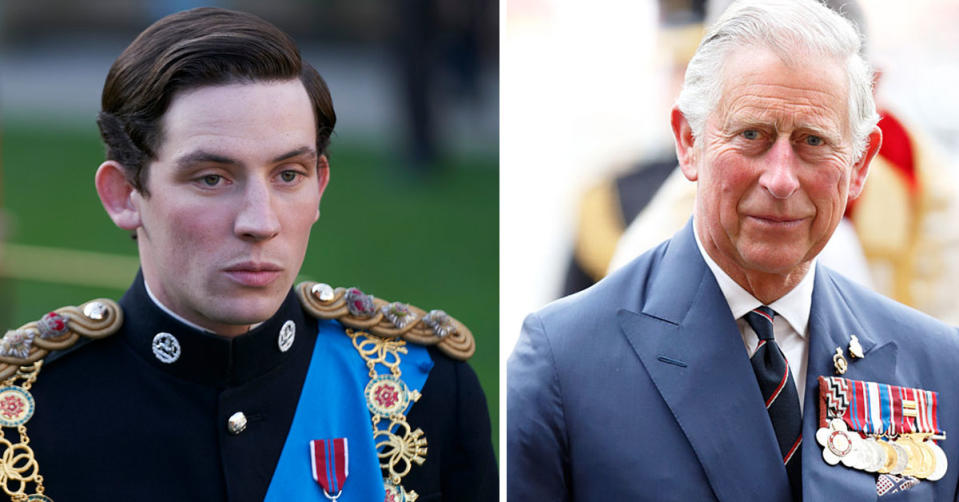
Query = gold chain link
x=18 y=465
x=398 y=446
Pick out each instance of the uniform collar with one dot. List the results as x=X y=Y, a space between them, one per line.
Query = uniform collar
x=204 y=357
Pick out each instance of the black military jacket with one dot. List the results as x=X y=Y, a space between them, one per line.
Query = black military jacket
x=114 y=422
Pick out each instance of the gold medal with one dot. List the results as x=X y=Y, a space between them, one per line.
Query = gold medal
x=891 y=457
x=928 y=460
x=915 y=456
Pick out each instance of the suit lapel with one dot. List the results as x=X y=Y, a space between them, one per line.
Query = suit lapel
x=689 y=344
x=831 y=322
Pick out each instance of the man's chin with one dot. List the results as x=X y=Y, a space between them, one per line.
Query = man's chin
x=237 y=315
x=774 y=260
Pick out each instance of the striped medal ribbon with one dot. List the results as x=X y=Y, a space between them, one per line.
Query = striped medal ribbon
x=888 y=410
x=330 y=463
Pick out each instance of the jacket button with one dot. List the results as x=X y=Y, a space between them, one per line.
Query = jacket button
x=237 y=423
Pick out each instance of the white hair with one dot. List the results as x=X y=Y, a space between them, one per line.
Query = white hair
x=788 y=28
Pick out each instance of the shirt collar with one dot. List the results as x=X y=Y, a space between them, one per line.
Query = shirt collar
x=178 y=317
x=794 y=306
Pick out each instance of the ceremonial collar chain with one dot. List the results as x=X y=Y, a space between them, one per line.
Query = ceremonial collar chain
x=387 y=397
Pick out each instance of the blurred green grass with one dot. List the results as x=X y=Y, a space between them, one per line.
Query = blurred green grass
x=431 y=241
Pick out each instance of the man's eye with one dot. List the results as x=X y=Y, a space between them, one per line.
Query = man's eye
x=814 y=140
x=289 y=176
x=751 y=134
x=211 y=180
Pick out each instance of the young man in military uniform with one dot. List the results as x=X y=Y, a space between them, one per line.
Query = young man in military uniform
x=214 y=379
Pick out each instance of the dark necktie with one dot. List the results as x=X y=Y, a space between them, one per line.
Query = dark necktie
x=779 y=391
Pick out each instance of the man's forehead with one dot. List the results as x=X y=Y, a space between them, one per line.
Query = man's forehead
x=269 y=118
x=758 y=85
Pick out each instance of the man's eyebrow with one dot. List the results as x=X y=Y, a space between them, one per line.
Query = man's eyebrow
x=201 y=156
x=305 y=151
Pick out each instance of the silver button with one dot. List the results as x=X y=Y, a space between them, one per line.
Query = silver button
x=95 y=311
x=287 y=334
x=323 y=292
x=166 y=347
x=237 y=423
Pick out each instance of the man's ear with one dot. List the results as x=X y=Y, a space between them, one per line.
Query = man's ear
x=116 y=194
x=323 y=176
x=860 y=169
x=685 y=144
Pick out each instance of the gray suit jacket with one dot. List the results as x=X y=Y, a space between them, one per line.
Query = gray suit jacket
x=639 y=388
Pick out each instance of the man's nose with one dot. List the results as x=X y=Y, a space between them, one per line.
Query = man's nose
x=257 y=219
x=779 y=176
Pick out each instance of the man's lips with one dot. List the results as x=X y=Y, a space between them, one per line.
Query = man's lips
x=253 y=274
x=776 y=221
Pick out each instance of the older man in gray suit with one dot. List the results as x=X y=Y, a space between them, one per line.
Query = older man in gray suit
x=726 y=364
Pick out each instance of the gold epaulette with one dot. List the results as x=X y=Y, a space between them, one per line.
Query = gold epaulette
x=355 y=309
x=58 y=330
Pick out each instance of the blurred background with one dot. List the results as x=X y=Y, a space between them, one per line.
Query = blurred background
x=586 y=92
x=411 y=211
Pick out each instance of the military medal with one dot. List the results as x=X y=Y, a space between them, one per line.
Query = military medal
x=880 y=428
x=329 y=459
x=902 y=458
x=940 y=462
x=839 y=362
x=838 y=443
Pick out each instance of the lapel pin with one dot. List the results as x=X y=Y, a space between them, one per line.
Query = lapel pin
x=839 y=362
x=855 y=349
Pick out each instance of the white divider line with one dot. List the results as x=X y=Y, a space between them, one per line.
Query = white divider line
x=67 y=266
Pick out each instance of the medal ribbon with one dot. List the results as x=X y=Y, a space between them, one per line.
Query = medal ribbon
x=877 y=408
x=332 y=405
x=330 y=463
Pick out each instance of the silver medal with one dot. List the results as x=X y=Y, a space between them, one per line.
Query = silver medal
x=877 y=457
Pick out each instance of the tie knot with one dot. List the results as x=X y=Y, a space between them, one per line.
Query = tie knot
x=761 y=320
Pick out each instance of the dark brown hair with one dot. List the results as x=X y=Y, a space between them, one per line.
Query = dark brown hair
x=190 y=49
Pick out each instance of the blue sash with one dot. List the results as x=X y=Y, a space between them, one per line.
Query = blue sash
x=332 y=405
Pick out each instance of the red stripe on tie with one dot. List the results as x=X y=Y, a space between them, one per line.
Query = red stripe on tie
x=779 y=389
x=792 y=450
x=767 y=316
x=761 y=343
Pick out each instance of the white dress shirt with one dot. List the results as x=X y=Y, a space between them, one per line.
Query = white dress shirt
x=790 y=326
